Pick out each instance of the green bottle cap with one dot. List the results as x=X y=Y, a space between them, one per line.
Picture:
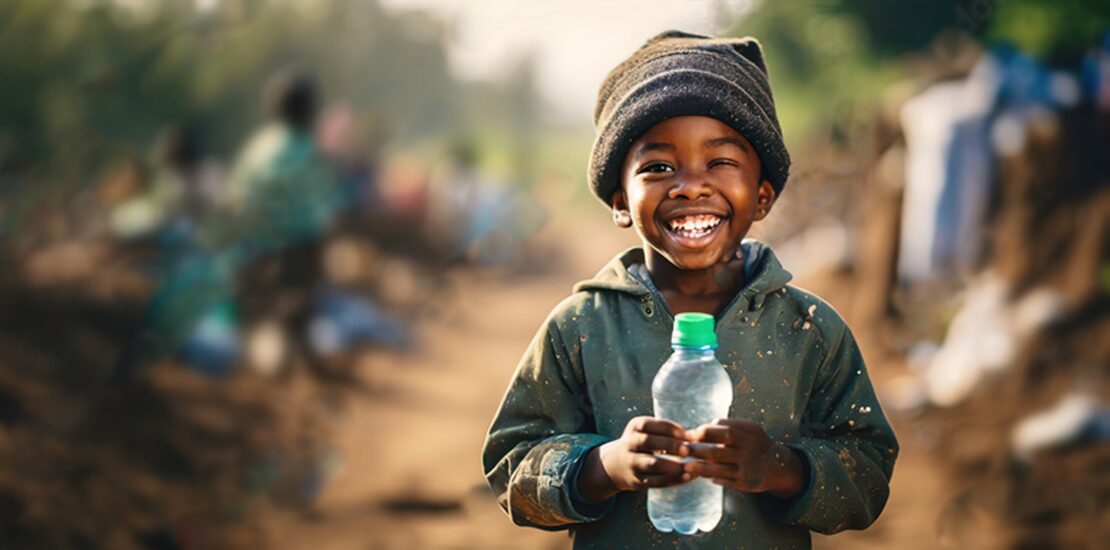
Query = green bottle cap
x=694 y=330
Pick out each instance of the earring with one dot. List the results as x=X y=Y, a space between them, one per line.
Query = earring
x=621 y=218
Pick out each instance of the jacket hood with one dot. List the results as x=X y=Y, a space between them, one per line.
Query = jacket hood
x=762 y=269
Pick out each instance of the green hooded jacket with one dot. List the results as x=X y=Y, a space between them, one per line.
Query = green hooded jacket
x=796 y=369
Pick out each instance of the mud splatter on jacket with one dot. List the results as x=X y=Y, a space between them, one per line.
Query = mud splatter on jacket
x=796 y=369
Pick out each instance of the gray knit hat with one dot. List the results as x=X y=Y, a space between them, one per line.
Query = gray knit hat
x=678 y=74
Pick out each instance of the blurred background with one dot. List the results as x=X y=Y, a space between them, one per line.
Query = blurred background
x=267 y=266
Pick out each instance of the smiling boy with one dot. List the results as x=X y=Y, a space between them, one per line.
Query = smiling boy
x=690 y=154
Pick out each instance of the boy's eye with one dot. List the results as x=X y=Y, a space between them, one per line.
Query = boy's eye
x=655 y=168
x=722 y=162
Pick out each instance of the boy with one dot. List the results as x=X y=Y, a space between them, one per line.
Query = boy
x=689 y=152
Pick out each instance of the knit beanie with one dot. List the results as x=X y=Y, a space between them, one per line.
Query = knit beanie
x=681 y=74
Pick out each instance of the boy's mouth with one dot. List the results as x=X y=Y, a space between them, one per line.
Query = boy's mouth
x=694 y=229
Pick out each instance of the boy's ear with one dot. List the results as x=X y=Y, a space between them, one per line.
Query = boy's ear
x=764 y=199
x=621 y=216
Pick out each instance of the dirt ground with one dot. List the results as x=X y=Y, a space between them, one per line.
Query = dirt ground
x=411 y=475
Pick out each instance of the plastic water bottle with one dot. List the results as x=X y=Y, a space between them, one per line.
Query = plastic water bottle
x=691 y=389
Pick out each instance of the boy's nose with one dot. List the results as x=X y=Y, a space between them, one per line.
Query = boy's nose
x=691 y=186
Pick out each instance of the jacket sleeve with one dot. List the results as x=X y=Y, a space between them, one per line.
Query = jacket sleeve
x=847 y=444
x=540 y=435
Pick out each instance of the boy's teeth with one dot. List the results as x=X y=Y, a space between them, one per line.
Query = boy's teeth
x=693 y=226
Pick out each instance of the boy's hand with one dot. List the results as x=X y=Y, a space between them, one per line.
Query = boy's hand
x=631 y=463
x=738 y=454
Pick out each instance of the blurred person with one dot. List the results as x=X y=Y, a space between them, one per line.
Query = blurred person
x=144 y=213
x=456 y=198
x=296 y=175
x=282 y=189
x=261 y=253
x=689 y=152
x=178 y=196
x=191 y=313
x=486 y=219
x=501 y=219
x=351 y=143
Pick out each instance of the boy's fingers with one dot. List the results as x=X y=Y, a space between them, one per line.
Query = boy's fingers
x=713 y=433
x=715 y=452
x=742 y=423
x=737 y=425
x=743 y=426
x=657 y=465
x=659 y=426
x=709 y=469
x=724 y=481
x=650 y=443
x=708 y=433
x=747 y=480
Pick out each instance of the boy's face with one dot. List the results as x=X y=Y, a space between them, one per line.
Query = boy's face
x=691 y=187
